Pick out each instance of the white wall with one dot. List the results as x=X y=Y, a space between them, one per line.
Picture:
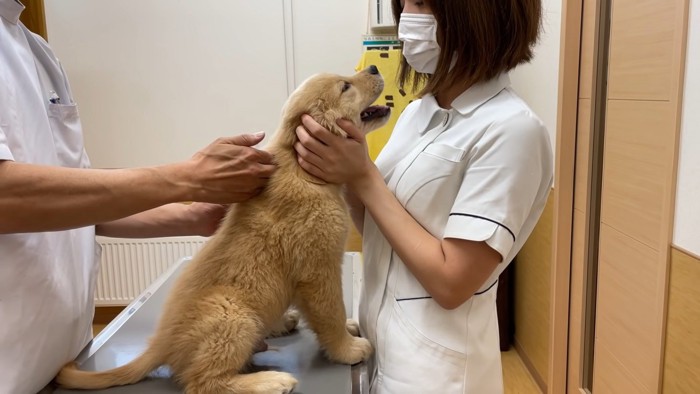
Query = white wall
x=328 y=36
x=537 y=82
x=687 y=221
x=156 y=80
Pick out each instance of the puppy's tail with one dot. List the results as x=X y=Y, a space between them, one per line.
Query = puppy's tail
x=70 y=377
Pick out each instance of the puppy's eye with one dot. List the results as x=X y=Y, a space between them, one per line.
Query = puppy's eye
x=345 y=87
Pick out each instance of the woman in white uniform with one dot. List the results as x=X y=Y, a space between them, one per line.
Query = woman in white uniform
x=451 y=199
x=52 y=204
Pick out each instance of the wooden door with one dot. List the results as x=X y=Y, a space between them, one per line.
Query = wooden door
x=632 y=58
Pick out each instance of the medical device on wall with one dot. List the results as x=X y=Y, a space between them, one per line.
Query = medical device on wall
x=380 y=14
x=376 y=41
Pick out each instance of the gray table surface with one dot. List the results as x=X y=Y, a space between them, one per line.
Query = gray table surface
x=299 y=354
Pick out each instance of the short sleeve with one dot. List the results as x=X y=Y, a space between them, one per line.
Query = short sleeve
x=509 y=169
x=5 y=153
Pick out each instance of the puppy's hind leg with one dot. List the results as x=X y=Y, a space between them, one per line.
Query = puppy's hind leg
x=225 y=337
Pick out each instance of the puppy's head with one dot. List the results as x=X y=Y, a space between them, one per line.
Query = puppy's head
x=329 y=97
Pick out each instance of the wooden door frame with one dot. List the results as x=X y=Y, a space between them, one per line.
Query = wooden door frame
x=565 y=160
x=564 y=179
x=34 y=17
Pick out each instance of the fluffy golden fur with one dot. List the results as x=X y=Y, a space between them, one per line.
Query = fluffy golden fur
x=281 y=248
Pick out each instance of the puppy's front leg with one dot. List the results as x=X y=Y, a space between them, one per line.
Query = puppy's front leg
x=321 y=302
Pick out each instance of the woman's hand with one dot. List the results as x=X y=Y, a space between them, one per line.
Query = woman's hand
x=330 y=157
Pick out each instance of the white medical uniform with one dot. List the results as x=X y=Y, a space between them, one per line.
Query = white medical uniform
x=46 y=279
x=479 y=171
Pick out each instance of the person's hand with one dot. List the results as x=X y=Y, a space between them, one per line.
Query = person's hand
x=330 y=157
x=230 y=170
x=204 y=218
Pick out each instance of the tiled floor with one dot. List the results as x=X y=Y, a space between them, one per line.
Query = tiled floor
x=516 y=378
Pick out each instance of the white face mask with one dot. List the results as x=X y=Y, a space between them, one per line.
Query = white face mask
x=418 y=32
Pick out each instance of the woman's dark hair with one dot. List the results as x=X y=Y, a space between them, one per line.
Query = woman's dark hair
x=487 y=37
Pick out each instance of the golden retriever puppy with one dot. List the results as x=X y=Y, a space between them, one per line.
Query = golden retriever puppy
x=281 y=248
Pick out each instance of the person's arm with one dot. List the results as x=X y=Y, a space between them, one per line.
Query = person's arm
x=169 y=220
x=44 y=198
x=450 y=270
x=357 y=210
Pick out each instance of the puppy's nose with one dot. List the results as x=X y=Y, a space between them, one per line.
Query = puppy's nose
x=373 y=69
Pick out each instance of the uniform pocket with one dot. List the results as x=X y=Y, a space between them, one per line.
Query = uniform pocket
x=68 y=135
x=445 y=152
x=433 y=167
x=414 y=363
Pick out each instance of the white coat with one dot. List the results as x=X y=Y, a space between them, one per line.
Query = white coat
x=480 y=171
x=46 y=279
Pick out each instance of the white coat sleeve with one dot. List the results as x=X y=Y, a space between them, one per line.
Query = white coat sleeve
x=504 y=175
x=5 y=153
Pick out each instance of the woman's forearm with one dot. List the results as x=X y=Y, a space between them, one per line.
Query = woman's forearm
x=450 y=270
x=415 y=246
x=42 y=198
x=357 y=210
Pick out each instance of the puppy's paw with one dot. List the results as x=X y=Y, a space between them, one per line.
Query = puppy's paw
x=272 y=382
x=286 y=324
x=290 y=320
x=352 y=352
x=281 y=383
x=353 y=327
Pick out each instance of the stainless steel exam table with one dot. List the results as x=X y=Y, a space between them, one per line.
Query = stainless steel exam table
x=126 y=337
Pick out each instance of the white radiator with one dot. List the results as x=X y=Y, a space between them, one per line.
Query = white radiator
x=128 y=266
